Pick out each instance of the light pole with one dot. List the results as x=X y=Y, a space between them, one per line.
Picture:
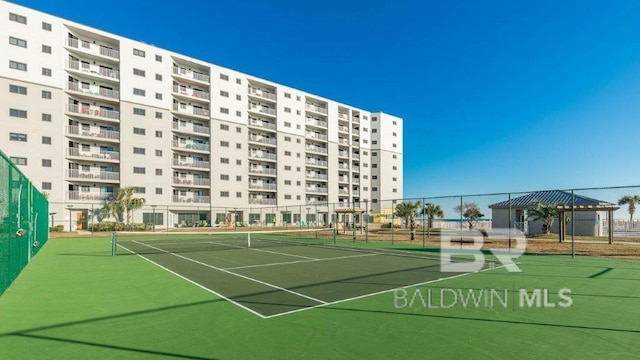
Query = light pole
x=235 y=219
x=308 y=208
x=70 y=208
x=53 y=224
x=154 y=217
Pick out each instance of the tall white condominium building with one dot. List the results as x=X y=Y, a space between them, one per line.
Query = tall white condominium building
x=85 y=112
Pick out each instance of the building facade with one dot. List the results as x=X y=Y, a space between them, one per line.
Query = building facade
x=85 y=112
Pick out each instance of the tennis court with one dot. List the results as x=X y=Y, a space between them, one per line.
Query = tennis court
x=272 y=274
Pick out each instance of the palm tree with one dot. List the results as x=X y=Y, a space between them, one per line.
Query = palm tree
x=545 y=212
x=432 y=211
x=407 y=210
x=128 y=201
x=112 y=209
x=471 y=212
x=630 y=200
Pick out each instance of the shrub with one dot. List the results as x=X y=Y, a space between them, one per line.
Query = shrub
x=57 y=228
x=388 y=226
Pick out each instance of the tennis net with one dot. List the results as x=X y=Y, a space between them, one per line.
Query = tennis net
x=184 y=242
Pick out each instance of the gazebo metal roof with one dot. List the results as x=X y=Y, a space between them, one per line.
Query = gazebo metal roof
x=555 y=197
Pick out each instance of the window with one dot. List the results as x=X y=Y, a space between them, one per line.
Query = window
x=46 y=117
x=374 y=131
x=224 y=110
x=139 y=131
x=158 y=97
x=298 y=183
x=224 y=160
x=139 y=190
x=158 y=191
x=137 y=52
x=365 y=153
x=238 y=162
x=238 y=81
x=139 y=170
x=159 y=153
x=239 y=113
x=395 y=190
x=46 y=72
x=46 y=162
x=365 y=188
x=287 y=167
x=17 y=65
x=18 y=113
x=158 y=115
x=394 y=145
x=298 y=169
x=46 y=49
x=394 y=179
x=287 y=153
x=18 y=137
x=287 y=138
x=287 y=95
x=297 y=98
x=158 y=172
x=238 y=146
x=224 y=194
x=19 y=160
x=287 y=197
x=224 y=177
x=224 y=77
x=46 y=140
x=394 y=123
x=298 y=141
x=365 y=177
x=287 y=182
x=18 y=18
x=139 y=111
x=159 y=58
x=365 y=165
x=365 y=129
x=139 y=72
x=394 y=167
x=238 y=129
x=374 y=142
x=139 y=92
x=374 y=177
x=238 y=97
x=159 y=77
x=395 y=156
x=394 y=134
x=46 y=26
x=46 y=186
x=297 y=112
x=139 y=151
x=287 y=110
x=298 y=126
x=46 y=94
x=17 y=42
x=365 y=117
x=374 y=188
x=287 y=124
x=365 y=141
x=238 y=194
x=238 y=178
x=224 y=127
x=158 y=133
x=374 y=153
x=224 y=143
x=374 y=166
x=224 y=93
x=22 y=90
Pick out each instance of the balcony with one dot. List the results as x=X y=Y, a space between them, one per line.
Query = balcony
x=92 y=112
x=263 y=201
x=262 y=171
x=93 y=91
x=355 y=168
x=355 y=143
x=343 y=192
x=92 y=70
x=315 y=122
x=262 y=109
x=343 y=179
x=317 y=190
x=98 y=176
x=92 y=133
x=190 y=181
x=317 y=108
x=190 y=75
x=263 y=156
x=191 y=164
x=93 y=154
x=263 y=186
x=343 y=141
x=315 y=162
x=261 y=93
x=342 y=128
x=191 y=128
x=356 y=120
x=343 y=116
x=355 y=132
x=316 y=136
x=191 y=199
x=355 y=180
x=191 y=146
x=314 y=176
x=89 y=196
x=317 y=149
x=262 y=124
x=92 y=49
x=191 y=110
x=319 y=201
x=355 y=192
x=343 y=154
x=355 y=156
x=262 y=140
x=343 y=166
x=191 y=94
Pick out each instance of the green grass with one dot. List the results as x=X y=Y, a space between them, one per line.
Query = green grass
x=76 y=301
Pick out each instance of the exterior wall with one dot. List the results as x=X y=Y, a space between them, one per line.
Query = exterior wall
x=110 y=94
x=585 y=222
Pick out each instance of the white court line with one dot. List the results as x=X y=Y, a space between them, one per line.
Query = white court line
x=235 y=274
x=378 y=293
x=300 y=261
x=196 y=284
x=262 y=250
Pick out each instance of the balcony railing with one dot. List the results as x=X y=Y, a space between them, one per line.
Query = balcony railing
x=316 y=108
x=343 y=128
x=93 y=90
x=190 y=74
x=262 y=171
x=262 y=93
x=190 y=181
x=316 y=176
x=191 y=145
x=263 y=140
x=92 y=175
x=343 y=179
x=343 y=192
x=263 y=186
x=356 y=120
x=317 y=162
x=343 y=116
x=355 y=156
x=262 y=124
x=268 y=156
x=191 y=164
x=93 y=70
x=343 y=141
x=92 y=48
x=192 y=128
x=89 y=196
x=191 y=110
x=355 y=192
x=319 y=123
x=262 y=109
x=93 y=154
x=93 y=132
x=355 y=180
x=200 y=94
x=191 y=199
x=355 y=168
x=263 y=201
x=92 y=111
x=343 y=154
x=317 y=149
x=343 y=166
x=317 y=190
x=317 y=136
x=355 y=132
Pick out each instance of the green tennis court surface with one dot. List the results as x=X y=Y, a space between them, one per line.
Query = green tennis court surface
x=277 y=276
x=76 y=301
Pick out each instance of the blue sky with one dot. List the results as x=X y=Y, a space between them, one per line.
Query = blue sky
x=496 y=95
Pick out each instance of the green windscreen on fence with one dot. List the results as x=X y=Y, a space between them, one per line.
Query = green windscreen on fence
x=23 y=221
